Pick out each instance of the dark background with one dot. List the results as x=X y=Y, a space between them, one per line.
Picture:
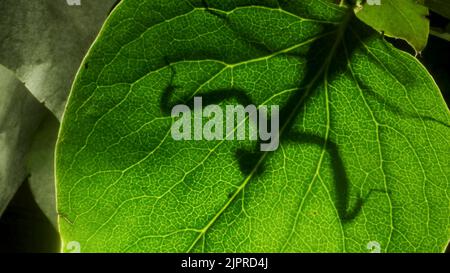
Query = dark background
x=25 y=228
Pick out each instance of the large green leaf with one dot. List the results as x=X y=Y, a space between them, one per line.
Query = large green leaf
x=363 y=157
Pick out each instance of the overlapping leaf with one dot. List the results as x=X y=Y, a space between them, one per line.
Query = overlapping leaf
x=20 y=116
x=404 y=19
x=43 y=43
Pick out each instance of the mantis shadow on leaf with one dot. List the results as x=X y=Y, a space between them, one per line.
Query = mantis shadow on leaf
x=396 y=109
x=346 y=211
x=322 y=65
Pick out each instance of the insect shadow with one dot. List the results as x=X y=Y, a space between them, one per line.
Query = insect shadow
x=346 y=211
x=252 y=161
x=393 y=108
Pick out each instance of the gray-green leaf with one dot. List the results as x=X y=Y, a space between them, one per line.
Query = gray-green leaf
x=45 y=42
x=20 y=115
x=40 y=166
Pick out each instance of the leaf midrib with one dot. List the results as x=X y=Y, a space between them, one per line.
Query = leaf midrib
x=323 y=70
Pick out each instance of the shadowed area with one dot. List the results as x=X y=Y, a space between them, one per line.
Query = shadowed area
x=318 y=59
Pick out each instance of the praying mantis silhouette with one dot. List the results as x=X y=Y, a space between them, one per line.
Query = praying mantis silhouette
x=317 y=68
